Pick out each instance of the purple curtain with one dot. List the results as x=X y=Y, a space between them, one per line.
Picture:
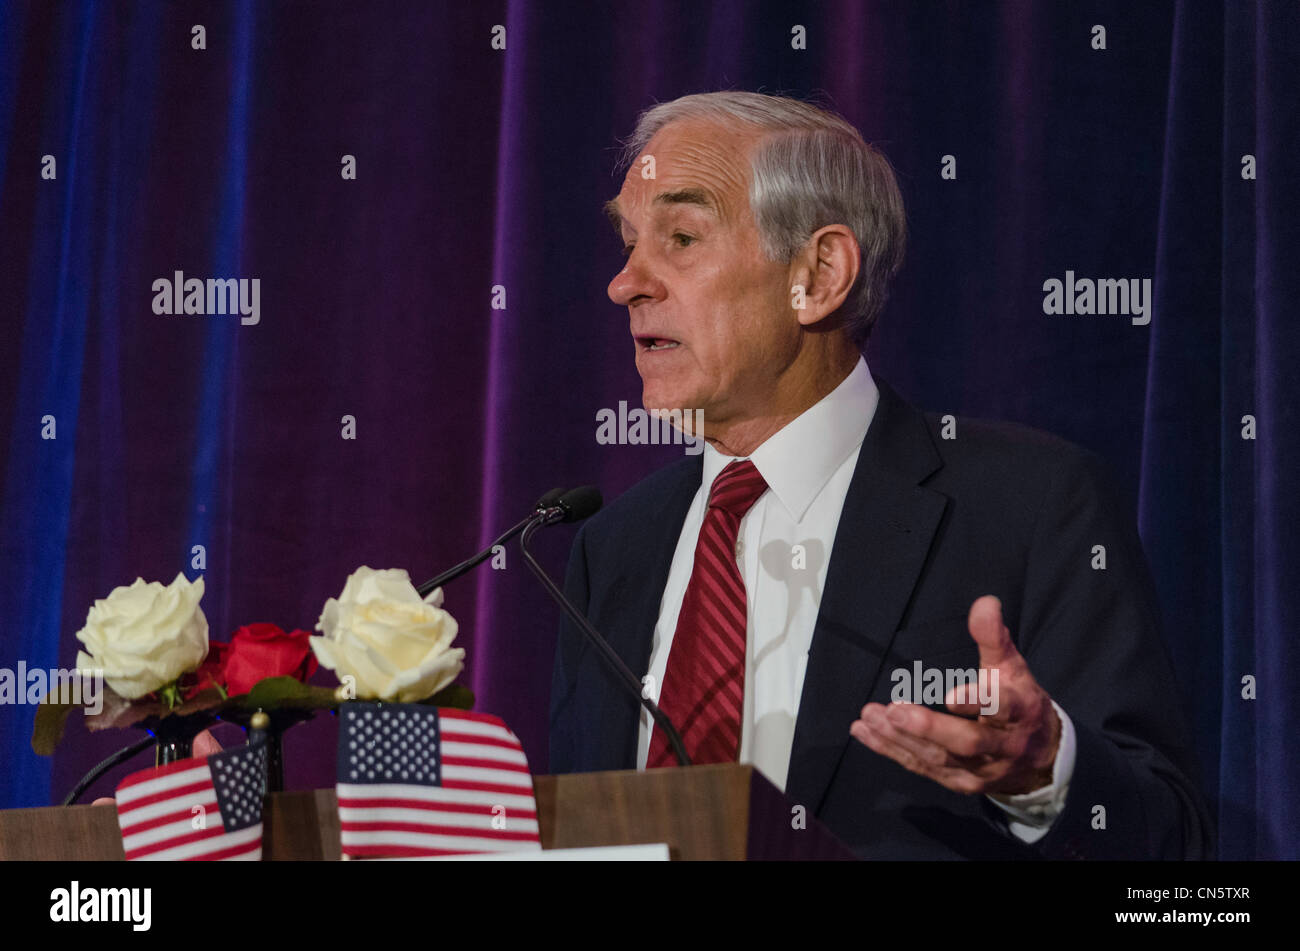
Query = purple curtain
x=480 y=168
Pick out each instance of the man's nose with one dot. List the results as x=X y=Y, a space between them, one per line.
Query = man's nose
x=634 y=284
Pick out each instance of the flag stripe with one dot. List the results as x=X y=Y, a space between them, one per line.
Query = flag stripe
x=355 y=809
x=460 y=843
x=362 y=795
x=493 y=729
x=176 y=784
x=250 y=851
x=397 y=850
x=483 y=818
x=502 y=742
x=477 y=762
x=175 y=812
x=381 y=825
x=236 y=843
x=126 y=788
x=449 y=714
x=453 y=750
x=159 y=839
x=453 y=774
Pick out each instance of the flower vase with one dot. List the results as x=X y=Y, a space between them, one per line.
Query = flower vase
x=175 y=735
x=269 y=726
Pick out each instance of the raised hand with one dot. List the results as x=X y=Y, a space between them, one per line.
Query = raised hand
x=1006 y=753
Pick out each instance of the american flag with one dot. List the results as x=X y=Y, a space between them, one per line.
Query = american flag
x=196 y=809
x=422 y=781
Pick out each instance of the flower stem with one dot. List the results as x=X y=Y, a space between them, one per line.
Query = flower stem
x=171 y=695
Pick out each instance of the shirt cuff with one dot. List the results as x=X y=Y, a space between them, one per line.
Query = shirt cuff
x=1031 y=814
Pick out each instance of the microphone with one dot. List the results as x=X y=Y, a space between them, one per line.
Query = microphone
x=547 y=503
x=573 y=506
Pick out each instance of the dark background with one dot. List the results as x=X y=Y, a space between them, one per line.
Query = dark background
x=479 y=167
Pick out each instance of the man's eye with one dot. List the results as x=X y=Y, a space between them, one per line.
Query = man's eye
x=683 y=240
x=627 y=250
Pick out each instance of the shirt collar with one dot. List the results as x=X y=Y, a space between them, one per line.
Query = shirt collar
x=798 y=460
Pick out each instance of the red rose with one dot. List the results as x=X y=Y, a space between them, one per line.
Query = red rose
x=211 y=671
x=258 y=651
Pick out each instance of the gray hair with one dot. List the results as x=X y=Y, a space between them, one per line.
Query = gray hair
x=814 y=170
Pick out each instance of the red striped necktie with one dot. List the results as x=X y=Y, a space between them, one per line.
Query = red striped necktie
x=704 y=684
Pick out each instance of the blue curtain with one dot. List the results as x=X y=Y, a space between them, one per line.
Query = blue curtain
x=482 y=168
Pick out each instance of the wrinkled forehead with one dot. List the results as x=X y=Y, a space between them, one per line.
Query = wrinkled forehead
x=693 y=156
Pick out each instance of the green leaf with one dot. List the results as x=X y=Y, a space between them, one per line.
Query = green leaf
x=118 y=712
x=274 y=693
x=47 y=730
x=455 y=696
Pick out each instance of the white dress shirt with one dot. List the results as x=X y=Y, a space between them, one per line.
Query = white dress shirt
x=808 y=465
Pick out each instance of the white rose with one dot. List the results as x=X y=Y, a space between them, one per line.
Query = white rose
x=146 y=635
x=395 y=645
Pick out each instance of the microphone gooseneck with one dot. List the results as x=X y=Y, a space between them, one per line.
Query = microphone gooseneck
x=546 y=503
x=573 y=506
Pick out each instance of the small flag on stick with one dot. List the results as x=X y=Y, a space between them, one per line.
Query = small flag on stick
x=418 y=781
x=196 y=809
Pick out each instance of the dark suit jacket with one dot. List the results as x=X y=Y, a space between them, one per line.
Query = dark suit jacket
x=929 y=525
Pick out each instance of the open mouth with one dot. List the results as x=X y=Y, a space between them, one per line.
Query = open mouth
x=652 y=343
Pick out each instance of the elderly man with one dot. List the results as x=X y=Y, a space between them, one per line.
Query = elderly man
x=833 y=546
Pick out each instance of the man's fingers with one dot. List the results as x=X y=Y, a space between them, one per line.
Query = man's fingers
x=889 y=725
x=981 y=747
x=988 y=631
x=877 y=735
x=970 y=740
x=964 y=701
x=205 y=744
x=901 y=724
x=997 y=700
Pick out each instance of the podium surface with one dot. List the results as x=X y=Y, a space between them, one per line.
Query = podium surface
x=723 y=812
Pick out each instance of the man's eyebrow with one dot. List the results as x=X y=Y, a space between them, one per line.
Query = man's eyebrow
x=683 y=196
x=615 y=215
x=688 y=196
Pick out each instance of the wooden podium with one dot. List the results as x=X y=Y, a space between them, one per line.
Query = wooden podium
x=727 y=812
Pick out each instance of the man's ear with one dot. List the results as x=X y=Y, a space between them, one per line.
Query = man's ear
x=823 y=272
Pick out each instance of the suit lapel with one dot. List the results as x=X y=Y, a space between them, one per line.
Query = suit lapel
x=884 y=534
x=638 y=591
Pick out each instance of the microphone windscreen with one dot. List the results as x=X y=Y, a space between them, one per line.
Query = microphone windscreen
x=549 y=499
x=582 y=502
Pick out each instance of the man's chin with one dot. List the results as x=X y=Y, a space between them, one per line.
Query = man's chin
x=676 y=391
x=655 y=398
